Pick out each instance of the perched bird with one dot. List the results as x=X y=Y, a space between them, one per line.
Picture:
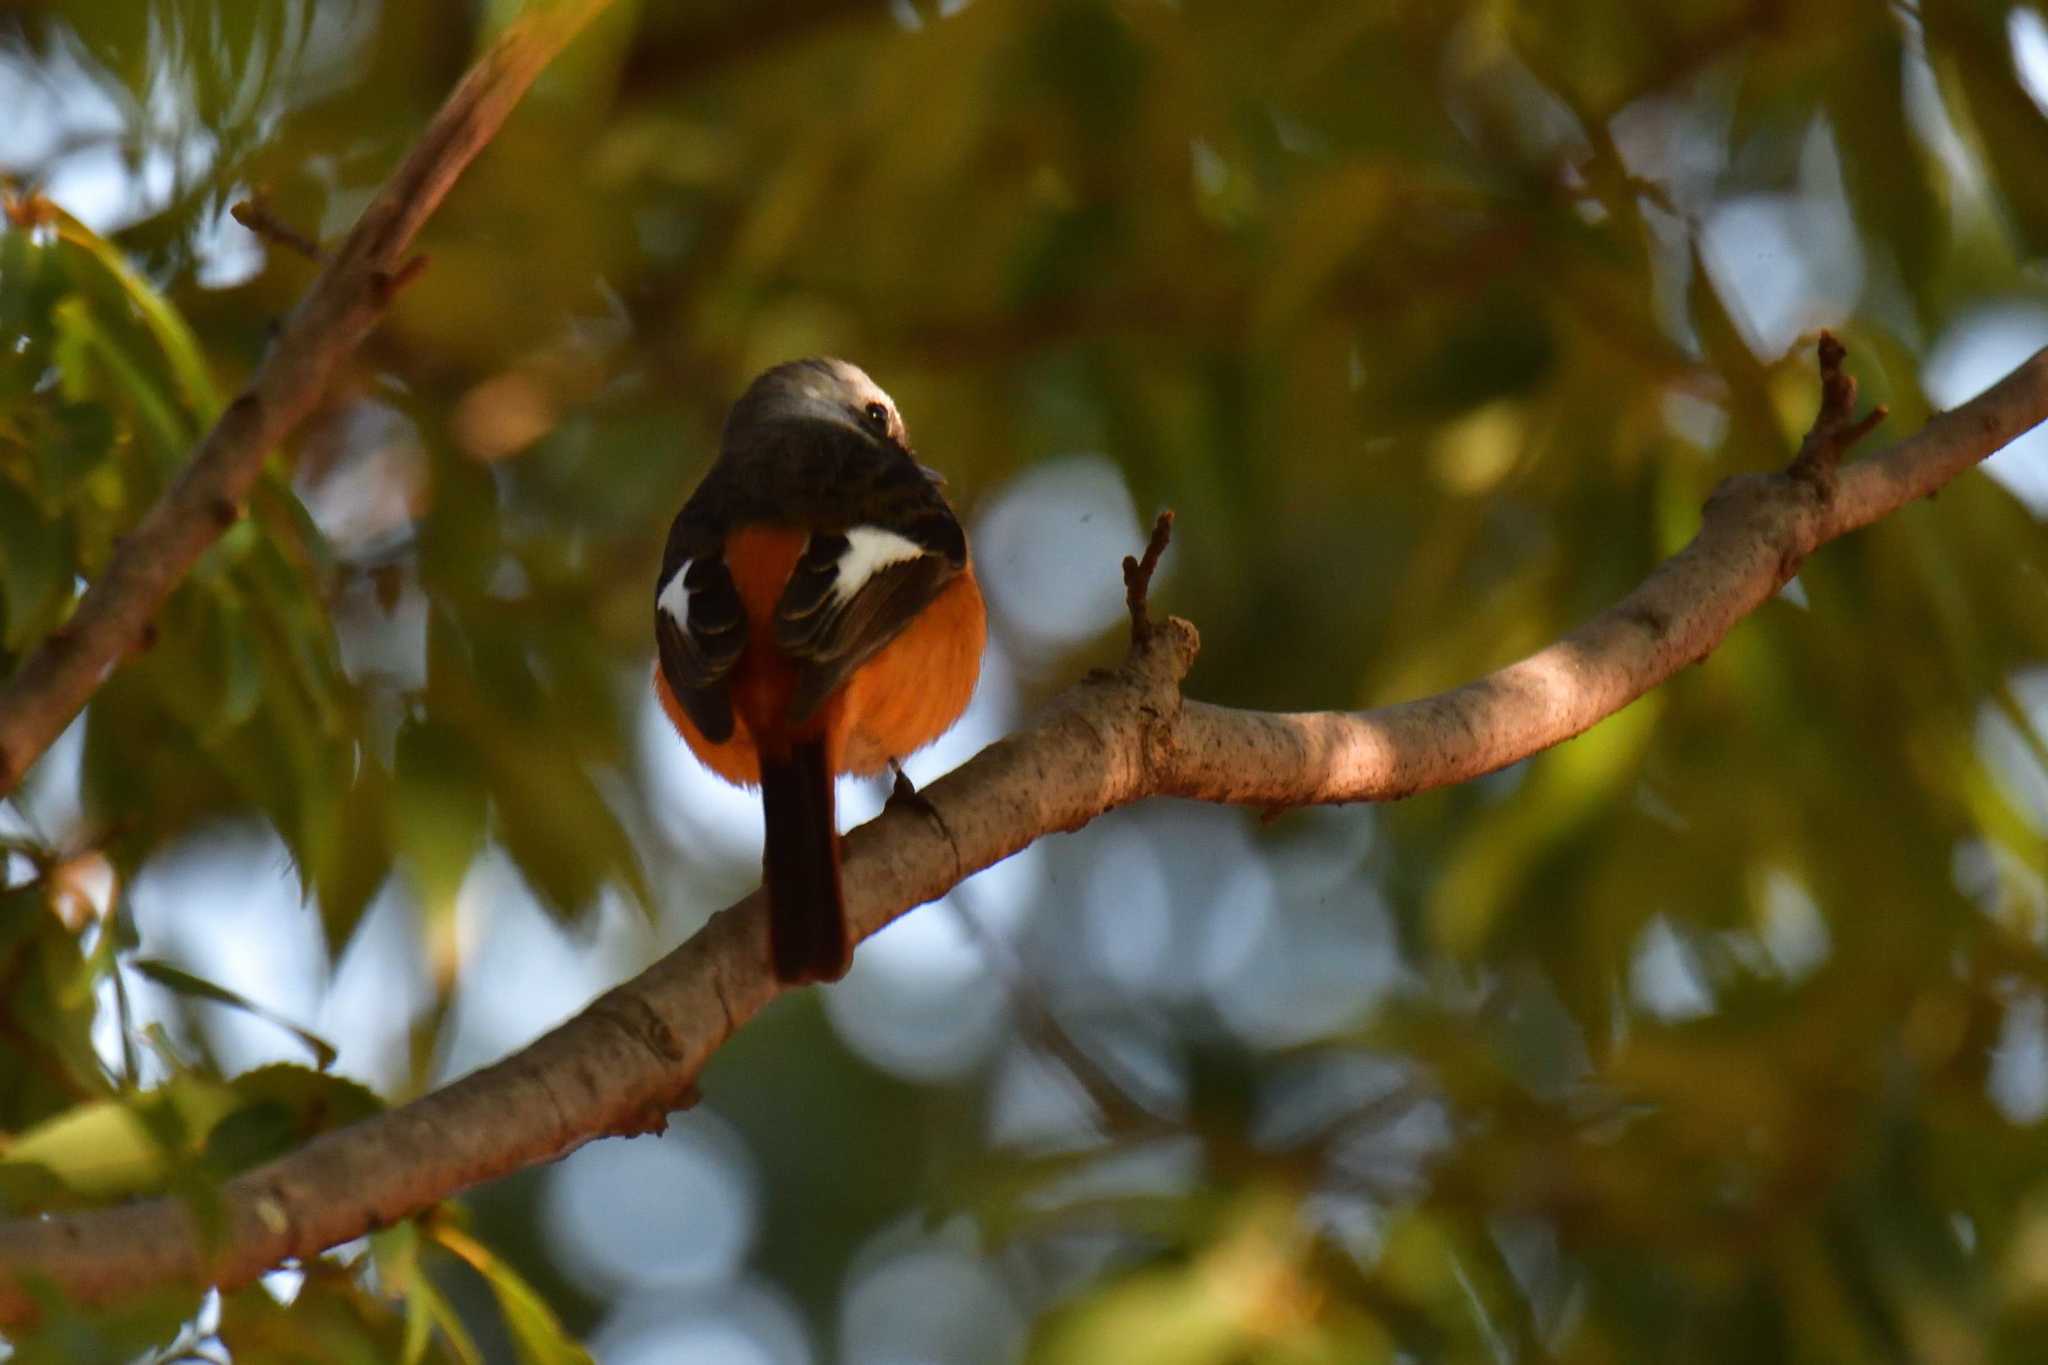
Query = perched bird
x=816 y=614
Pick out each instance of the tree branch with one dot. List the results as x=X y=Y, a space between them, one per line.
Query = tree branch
x=344 y=303
x=1114 y=738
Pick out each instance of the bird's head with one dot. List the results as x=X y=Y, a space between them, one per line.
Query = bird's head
x=817 y=389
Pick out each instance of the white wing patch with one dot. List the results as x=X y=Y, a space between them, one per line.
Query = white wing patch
x=869 y=549
x=674 y=600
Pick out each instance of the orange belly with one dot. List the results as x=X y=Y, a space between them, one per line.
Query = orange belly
x=916 y=686
x=904 y=697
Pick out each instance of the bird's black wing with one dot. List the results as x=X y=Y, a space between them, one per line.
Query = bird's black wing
x=699 y=626
x=854 y=590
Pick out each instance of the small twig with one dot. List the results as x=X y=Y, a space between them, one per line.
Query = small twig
x=1835 y=427
x=1119 y=1109
x=256 y=216
x=386 y=283
x=1114 y=1100
x=1138 y=577
x=1121 y=1112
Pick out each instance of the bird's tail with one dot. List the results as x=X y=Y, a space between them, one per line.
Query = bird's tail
x=807 y=938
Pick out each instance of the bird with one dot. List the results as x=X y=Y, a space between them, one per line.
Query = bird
x=816 y=614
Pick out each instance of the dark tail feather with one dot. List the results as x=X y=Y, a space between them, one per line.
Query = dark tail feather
x=806 y=917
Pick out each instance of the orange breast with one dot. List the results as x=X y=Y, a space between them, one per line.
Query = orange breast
x=913 y=690
x=900 y=700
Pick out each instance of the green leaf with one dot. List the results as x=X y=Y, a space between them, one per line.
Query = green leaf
x=1888 y=172
x=536 y=1331
x=121 y=1334
x=1968 y=47
x=1505 y=347
x=347 y=853
x=438 y=809
x=317 y=1100
x=29 y=1187
x=279 y=1107
x=332 y=1320
x=547 y=808
x=79 y=443
x=36 y=569
x=47 y=1060
x=185 y=983
x=84 y=345
x=1566 y=788
x=34 y=278
x=249 y=1137
x=195 y=386
x=397 y=1253
x=101 y=1150
x=233 y=644
x=433 y=1306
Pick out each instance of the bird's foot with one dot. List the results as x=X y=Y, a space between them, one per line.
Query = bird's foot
x=904 y=793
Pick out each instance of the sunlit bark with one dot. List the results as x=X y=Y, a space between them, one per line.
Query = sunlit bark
x=1117 y=737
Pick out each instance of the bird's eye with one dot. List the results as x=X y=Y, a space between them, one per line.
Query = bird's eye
x=877 y=417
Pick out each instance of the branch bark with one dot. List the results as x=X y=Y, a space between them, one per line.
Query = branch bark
x=1116 y=737
x=344 y=303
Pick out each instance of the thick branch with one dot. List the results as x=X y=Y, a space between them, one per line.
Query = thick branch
x=1756 y=531
x=336 y=314
x=1114 y=738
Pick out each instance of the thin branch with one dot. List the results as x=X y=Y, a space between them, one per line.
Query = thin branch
x=353 y=289
x=257 y=216
x=1138 y=578
x=1835 y=427
x=1115 y=1102
x=1117 y=737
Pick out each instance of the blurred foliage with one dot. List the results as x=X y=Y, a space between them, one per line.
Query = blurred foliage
x=1721 y=1033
